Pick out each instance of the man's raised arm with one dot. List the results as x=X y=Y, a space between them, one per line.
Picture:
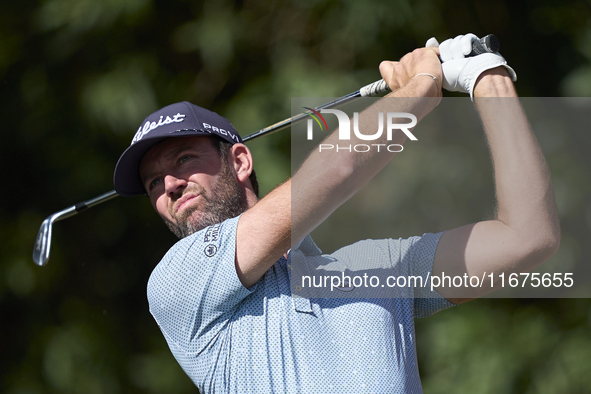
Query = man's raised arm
x=526 y=231
x=326 y=180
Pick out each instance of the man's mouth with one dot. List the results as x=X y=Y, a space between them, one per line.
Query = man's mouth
x=183 y=202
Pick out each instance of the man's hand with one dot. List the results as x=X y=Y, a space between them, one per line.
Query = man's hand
x=423 y=61
x=460 y=73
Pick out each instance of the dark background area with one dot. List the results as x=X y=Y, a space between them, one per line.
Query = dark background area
x=78 y=76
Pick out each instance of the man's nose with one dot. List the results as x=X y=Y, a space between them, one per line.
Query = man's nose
x=174 y=185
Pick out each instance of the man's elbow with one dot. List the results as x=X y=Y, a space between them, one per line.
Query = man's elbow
x=553 y=243
x=544 y=245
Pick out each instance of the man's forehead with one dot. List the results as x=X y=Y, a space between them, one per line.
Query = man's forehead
x=171 y=147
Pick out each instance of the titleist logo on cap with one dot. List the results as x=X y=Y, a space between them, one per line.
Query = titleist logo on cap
x=149 y=126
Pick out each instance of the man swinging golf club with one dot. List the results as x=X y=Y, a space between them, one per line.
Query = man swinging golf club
x=222 y=294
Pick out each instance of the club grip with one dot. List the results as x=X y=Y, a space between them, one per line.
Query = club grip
x=373 y=89
x=487 y=44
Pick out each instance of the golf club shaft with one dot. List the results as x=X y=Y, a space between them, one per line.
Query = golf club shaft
x=81 y=206
x=370 y=90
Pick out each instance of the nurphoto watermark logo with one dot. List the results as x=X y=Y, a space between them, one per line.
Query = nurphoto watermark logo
x=392 y=120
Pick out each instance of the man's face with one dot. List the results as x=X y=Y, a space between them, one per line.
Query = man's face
x=189 y=185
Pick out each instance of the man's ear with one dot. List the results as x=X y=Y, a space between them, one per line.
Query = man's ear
x=241 y=161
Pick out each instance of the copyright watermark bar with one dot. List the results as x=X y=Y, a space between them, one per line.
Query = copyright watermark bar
x=433 y=282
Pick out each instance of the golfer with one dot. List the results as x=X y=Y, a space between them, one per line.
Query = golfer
x=222 y=295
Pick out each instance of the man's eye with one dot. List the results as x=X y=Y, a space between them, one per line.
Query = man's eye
x=184 y=158
x=155 y=183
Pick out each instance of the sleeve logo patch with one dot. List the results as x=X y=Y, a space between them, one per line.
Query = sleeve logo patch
x=210 y=250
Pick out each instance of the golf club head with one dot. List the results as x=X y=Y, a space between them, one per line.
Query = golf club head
x=43 y=243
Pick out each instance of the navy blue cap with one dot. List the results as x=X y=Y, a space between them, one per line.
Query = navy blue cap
x=176 y=120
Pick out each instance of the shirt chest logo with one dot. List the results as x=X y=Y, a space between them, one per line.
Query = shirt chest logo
x=212 y=233
x=210 y=250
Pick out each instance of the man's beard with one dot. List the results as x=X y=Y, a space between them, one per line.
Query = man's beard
x=226 y=200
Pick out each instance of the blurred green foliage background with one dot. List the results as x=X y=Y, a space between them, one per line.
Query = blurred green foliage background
x=78 y=76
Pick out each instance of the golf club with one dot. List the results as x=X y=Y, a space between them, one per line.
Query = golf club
x=42 y=247
x=43 y=242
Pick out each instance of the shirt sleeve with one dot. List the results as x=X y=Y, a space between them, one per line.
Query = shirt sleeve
x=195 y=290
x=422 y=253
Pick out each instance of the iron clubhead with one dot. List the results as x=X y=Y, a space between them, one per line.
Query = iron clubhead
x=43 y=243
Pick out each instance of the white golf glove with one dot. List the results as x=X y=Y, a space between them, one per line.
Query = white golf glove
x=460 y=72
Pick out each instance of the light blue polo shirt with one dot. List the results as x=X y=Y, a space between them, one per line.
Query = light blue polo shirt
x=230 y=339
